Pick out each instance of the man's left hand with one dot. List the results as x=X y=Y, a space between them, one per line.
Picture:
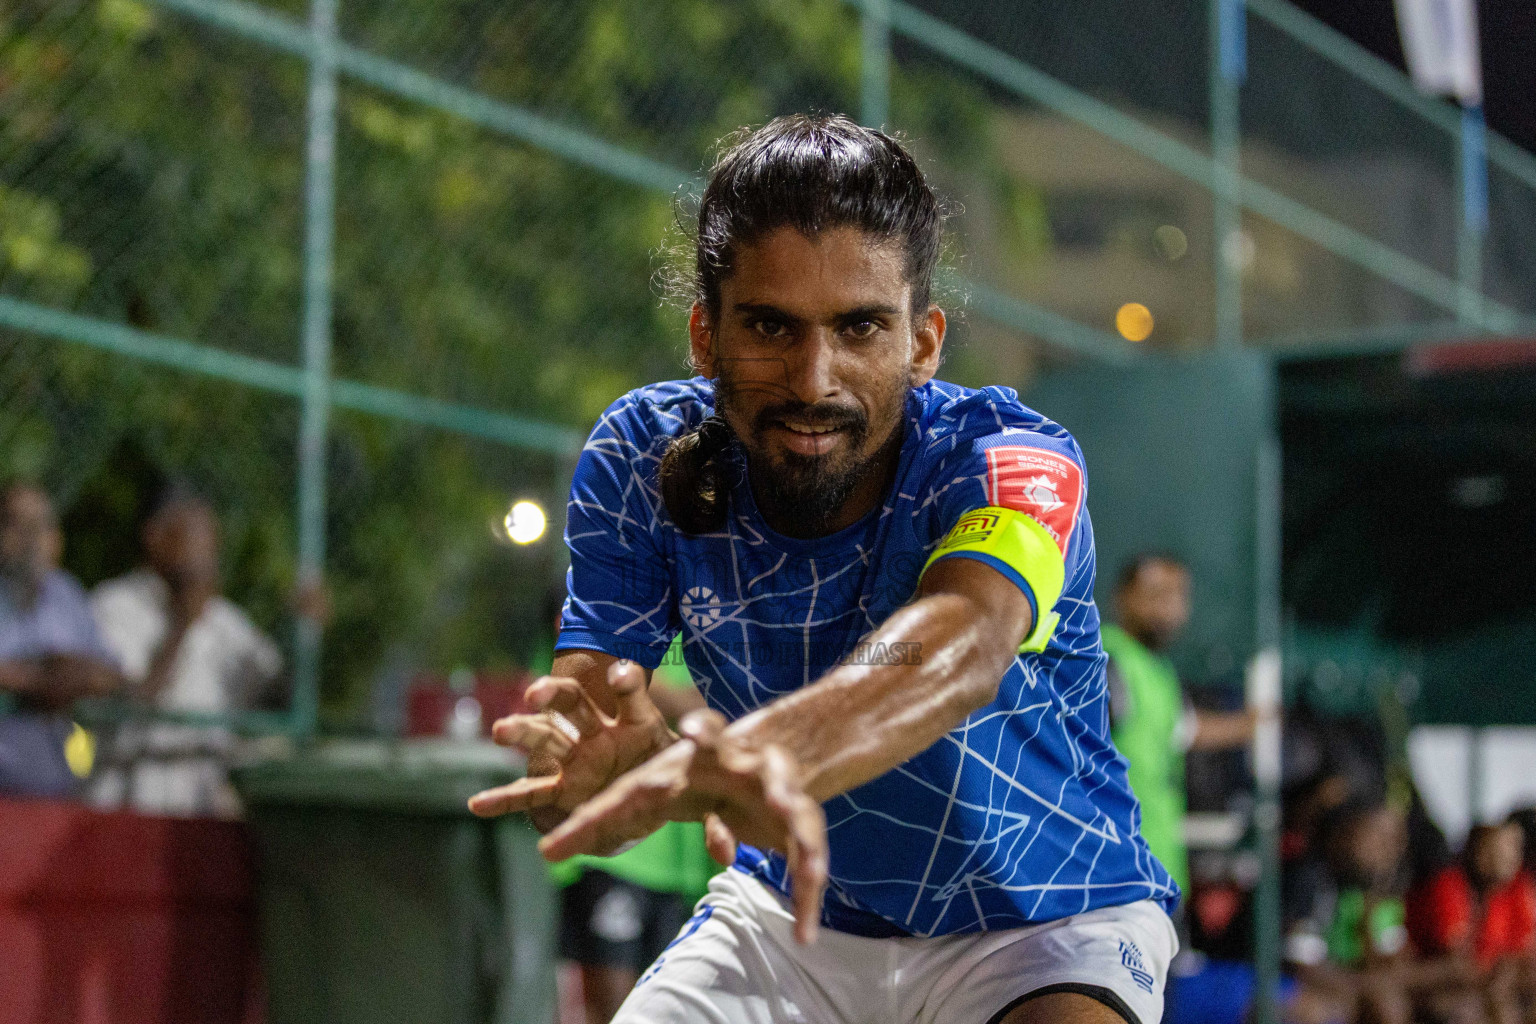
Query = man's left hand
x=739 y=792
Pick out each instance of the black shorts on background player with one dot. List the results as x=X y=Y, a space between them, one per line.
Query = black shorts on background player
x=608 y=922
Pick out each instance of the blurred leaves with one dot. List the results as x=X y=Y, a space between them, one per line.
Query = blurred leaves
x=151 y=173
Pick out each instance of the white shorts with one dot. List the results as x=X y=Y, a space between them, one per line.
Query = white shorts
x=736 y=962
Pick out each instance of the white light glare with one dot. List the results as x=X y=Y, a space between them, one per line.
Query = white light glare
x=524 y=523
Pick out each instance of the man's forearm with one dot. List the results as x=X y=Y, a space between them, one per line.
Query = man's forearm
x=861 y=720
x=57 y=680
x=158 y=677
x=1223 y=730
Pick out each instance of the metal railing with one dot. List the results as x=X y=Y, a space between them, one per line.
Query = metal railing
x=1469 y=311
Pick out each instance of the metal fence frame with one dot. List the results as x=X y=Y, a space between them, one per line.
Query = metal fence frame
x=1470 y=312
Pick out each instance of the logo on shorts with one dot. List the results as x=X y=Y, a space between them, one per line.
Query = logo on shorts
x=1131 y=957
x=617 y=917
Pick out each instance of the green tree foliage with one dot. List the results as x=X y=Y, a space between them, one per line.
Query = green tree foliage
x=151 y=173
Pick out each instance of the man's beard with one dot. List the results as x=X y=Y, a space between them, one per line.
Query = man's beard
x=803 y=494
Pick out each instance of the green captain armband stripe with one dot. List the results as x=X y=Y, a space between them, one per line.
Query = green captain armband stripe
x=1021 y=549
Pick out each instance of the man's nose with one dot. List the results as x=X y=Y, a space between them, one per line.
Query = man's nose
x=812 y=367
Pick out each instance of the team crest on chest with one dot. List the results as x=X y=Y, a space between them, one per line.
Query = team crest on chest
x=700 y=607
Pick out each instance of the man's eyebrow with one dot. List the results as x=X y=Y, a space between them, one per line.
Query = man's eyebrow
x=764 y=309
x=868 y=312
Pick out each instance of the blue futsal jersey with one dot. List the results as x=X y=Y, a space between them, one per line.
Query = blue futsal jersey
x=1020 y=814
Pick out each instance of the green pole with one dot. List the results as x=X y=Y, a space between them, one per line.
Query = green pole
x=1472 y=179
x=319 y=237
x=1228 y=64
x=875 y=80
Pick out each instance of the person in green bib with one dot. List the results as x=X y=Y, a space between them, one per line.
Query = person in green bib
x=1152 y=723
x=618 y=913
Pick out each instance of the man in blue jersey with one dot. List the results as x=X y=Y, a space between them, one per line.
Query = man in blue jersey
x=884 y=587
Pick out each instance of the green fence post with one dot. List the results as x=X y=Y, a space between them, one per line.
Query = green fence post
x=875 y=78
x=1228 y=65
x=319 y=236
x=1472 y=177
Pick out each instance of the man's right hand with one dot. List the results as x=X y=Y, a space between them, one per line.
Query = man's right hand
x=574 y=748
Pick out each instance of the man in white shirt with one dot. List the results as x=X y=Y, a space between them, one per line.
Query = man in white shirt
x=183 y=647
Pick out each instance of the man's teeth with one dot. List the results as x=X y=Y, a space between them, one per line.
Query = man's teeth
x=806 y=428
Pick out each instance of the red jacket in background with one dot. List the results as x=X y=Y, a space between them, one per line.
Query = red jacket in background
x=1444 y=917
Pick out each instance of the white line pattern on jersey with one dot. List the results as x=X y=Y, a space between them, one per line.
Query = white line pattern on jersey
x=1022 y=813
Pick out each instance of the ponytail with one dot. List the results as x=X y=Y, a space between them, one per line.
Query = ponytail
x=696 y=476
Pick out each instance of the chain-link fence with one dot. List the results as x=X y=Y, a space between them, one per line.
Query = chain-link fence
x=363 y=274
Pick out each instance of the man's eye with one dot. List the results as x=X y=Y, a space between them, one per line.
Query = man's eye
x=862 y=329
x=770 y=328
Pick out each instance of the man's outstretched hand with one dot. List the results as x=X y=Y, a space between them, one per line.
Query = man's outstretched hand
x=740 y=793
x=574 y=748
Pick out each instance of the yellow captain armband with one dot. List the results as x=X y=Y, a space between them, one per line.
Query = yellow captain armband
x=1020 y=548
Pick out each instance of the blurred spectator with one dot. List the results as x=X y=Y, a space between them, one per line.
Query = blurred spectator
x=1153 y=725
x=1348 y=940
x=50 y=651
x=1524 y=818
x=1352 y=954
x=183 y=648
x=1483 y=912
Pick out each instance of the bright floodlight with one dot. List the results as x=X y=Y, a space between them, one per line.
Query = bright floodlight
x=525 y=523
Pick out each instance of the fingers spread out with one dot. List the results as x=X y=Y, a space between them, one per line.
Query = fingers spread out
x=631 y=808
x=627 y=680
x=566 y=697
x=704 y=727
x=719 y=840
x=536 y=734
x=522 y=795
x=806 y=826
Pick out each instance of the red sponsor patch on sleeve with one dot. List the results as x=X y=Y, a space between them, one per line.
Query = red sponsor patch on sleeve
x=1043 y=485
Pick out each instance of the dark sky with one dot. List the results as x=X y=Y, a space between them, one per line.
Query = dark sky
x=1509 y=53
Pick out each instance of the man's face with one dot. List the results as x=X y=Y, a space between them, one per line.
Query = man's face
x=1155 y=605
x=815 y=350
x=1375 y=844
x=30 y=539
x=182 y=542
x=1496 y=854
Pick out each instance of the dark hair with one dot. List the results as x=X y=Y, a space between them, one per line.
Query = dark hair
x=172 y=493
x=809 y=172
x=1134 y=566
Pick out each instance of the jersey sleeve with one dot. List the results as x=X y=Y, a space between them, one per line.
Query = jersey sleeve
x=619 y=585
x=1013 y=499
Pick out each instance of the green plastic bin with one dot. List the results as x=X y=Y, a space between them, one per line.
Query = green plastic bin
x=384 y=900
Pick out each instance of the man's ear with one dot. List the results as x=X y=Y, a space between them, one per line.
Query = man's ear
x=701 y=342
x=927 y=345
